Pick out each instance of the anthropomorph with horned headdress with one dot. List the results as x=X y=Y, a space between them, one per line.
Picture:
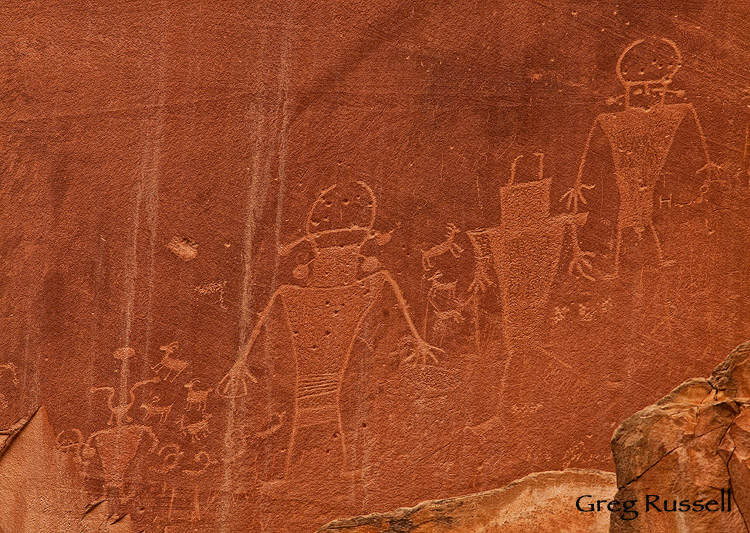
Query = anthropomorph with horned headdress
x=641 y=136
x=325 y=316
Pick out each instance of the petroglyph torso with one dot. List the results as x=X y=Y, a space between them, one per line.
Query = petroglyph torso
x=640 y=141
x=323 y=323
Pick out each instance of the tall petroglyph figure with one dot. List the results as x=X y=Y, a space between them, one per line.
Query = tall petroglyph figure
x=324 y=318
x=641 y=137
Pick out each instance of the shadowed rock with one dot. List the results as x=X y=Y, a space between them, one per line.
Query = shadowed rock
x=539 y=502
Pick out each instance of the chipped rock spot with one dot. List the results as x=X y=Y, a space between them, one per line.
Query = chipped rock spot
x=184 y=248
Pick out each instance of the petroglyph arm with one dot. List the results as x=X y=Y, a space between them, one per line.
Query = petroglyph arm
x=421 y=350
x=575 y=194
x=234 y=383
x=710 y=168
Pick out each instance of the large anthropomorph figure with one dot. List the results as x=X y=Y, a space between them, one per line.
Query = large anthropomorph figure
x=641 y=138
x=325 y=313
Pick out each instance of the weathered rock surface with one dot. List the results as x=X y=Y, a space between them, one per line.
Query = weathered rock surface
x=537 y=503
x=40 y=488
x=688 y=447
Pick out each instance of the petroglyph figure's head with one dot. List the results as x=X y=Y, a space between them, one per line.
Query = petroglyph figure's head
x=339 y=223
x=342 y=215
x=645 y=68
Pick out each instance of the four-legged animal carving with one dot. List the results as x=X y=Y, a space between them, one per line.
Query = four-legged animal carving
x=162 y=411
x=172 y=364
x=196 y=430
x=196 y=398
x=439 y=249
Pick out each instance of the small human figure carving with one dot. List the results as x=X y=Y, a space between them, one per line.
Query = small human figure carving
x=171 y=364
x=325 y=317
x=640 y=137
x=196 y=398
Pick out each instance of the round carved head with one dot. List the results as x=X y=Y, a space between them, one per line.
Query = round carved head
x=342 y=215
x=649 y=61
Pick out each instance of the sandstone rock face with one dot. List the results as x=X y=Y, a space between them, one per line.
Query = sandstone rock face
x=692 y=445
x=40 y=486
x=541 y=503
x=268 y=264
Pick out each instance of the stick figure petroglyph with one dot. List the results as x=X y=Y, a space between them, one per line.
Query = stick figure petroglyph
x=640 y=137
x=324 y=318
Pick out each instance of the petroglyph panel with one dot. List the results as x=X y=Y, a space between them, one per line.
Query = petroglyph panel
x=360 y=255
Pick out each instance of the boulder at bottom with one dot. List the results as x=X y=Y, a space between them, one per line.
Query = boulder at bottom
x=679 y=458
x=540 y=503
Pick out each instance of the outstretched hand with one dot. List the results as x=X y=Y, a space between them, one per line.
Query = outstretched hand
x=421 y=351
x=234 y=384
x=575 y=195
x=581 y=265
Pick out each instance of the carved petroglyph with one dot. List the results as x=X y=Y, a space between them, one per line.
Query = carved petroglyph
x=196 y=398
x=170 y=455
x=153 y=410
x=525 y=250
x=641 y=136
x=116 y=446
x=169 y=363
x=196 y=430
x=448 y=245
x=324 y=318
x=216 y=287
x=444 y=309
x=119 y=413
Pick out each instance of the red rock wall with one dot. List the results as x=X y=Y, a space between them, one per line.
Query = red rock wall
x=167 y=212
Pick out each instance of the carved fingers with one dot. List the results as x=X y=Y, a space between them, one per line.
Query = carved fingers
x=234 y=384
x=575 y=195
x=581 y=266
x=422 y=352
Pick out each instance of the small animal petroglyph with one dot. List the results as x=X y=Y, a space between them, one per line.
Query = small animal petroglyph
x=196 y=398
x=162 y=411
x=184 y=248
x=196 y=430
x=448 y=245
x=171 y=364
x=441 y=289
